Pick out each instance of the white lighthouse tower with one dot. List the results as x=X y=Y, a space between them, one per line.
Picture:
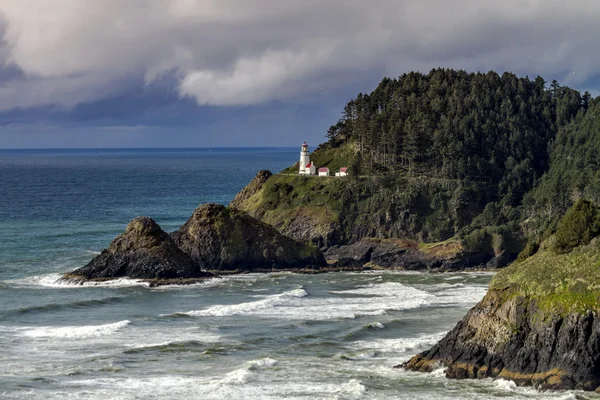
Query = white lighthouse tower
x=306 y=168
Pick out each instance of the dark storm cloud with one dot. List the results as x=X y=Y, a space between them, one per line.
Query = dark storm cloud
x=239 y=52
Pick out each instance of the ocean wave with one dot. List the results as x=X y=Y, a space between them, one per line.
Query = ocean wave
x=460 y=295
x=245 y=308
x=55 y=281
x=366 y=301
x=352 y=389
x=64 y=306
x=357 y=356
x=400 y=345
x=241 y=375
x=76 y=332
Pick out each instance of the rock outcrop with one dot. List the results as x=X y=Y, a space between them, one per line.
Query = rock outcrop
x=404 y=254
x=538 y=325
x=515 y=340
x=143 y=251
x=227 y=239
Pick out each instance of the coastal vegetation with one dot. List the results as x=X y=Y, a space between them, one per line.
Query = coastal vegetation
x=491 y=160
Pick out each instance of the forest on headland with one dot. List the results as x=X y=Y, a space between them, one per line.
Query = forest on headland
x=494 y=160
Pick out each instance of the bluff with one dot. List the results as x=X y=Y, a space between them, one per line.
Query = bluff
x=143 y=251
x=447 y=155
x=227 y=239
x=538 y=325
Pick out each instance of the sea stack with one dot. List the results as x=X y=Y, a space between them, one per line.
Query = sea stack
x=227 y=239
x=143 y=251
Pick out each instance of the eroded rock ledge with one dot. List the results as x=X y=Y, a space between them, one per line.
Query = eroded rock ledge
x=513 y=338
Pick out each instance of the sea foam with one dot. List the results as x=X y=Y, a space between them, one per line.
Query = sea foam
x=249 y=307
x=76 y=332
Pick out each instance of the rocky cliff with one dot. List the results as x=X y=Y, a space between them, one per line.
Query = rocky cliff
x=143 y=251
x=347 y=216
x=538 y=325
x=225 y=238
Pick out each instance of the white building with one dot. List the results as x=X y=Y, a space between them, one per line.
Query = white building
x=324 y=171
x=305 y=167
x=310 y=169
x=343 y=172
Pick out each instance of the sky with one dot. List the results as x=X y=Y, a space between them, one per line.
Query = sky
x=209 y=73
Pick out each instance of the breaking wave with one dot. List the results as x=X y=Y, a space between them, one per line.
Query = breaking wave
x=76 y=332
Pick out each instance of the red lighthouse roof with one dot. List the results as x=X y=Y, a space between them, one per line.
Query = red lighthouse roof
x=304 y=144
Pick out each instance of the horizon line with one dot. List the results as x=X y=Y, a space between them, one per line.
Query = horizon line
x=145 y=148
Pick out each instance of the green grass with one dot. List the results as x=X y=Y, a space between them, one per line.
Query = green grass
x=560 y=283
x=284 y=197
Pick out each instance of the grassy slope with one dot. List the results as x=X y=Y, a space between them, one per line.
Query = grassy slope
x=560 y=283
x=285 y=196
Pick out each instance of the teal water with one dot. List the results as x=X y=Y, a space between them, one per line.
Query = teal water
x=270 y=336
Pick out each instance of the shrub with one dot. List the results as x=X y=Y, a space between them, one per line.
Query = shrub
x=577 y=227
x=530 y=249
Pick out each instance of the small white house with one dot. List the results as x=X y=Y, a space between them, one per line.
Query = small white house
x=343 y=172
x=324 y=171
x=310 y=169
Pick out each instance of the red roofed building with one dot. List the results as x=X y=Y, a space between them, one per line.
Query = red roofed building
x=323 y=171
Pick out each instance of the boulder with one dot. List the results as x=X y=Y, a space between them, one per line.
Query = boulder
x=143 y=251
x=227 y=239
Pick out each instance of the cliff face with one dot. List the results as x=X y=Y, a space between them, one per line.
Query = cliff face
x=538 y=325
x=143 y=251
x=224 y=238
x=515 y=340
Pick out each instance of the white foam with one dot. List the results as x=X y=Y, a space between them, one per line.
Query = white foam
x=369 y=300
x=262 y=363
x=460 y=295
x=358 y=356
x=55 y=281
x=76 y=332
x=377 y=325
x=242 y=375
x=400 y=345
x=353 y=389
x=504 y=384
x=249 y=307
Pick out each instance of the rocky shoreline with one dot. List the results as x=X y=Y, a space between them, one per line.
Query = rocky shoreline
x=517 y=341
x=219 y=240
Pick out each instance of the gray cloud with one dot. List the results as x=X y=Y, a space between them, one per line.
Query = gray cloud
x=239 y=52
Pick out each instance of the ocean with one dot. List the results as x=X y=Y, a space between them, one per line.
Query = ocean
x=254 y=336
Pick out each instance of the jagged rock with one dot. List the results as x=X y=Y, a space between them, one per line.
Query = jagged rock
x=143 y=251
x=225 y=238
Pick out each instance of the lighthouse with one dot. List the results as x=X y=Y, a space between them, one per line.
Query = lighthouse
x=305 y=168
